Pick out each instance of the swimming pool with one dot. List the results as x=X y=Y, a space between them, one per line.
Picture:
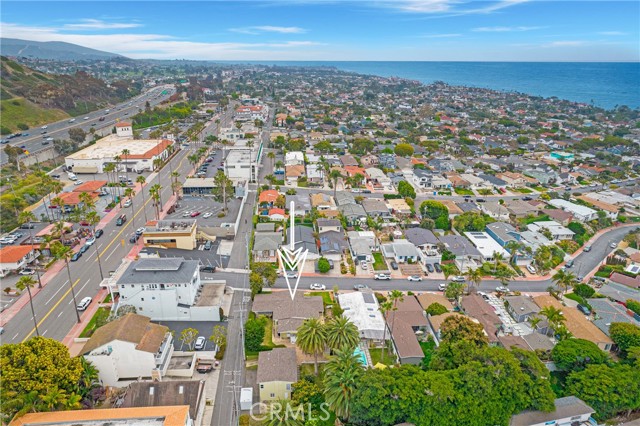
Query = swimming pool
x=359 y=353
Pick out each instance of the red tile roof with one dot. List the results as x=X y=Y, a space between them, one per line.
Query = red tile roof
x=73 y=198
x=268 y=196
x=91 y=186
x=123 y=124
x=155 y=151
x=12 y=254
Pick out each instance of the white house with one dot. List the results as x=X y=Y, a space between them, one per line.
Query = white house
x=361 y=308
x=241 y=165
x=129 y=348
x=487 y=246
x=294 y=158
x=568 y=411
x=169 y=289
x=13 y=258
x=402 y=251
x=315 y=173
x=581 y=213
x=557 y=232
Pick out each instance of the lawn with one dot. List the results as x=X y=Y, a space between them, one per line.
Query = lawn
x=376 y=356
x=581 y=300
x=28 y=113
x=463 y=191
x=326 y=297
x=308 y=370
x=530 y=220
x=522 y=190
x=268 y=334
x=378 y=262
x=539 y=188
x=485 y=191
x=98 y=320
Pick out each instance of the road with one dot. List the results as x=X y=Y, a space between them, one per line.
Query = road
x=60 y=129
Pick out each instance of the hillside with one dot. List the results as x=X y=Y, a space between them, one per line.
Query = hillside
x=55 y=50
x=35 y=91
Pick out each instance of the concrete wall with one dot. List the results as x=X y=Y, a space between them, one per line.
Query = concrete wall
x=123 y=362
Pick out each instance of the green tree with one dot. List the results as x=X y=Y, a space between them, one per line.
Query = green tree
x=576 y=354
x=403 y=150
x=342 y=376
x=26 y=282
x=307 y=392
x=471 y=221
x=454 y=290
x=564 y=280
x=584 y=290
x=342 y=334
x=188 y=337
x=219 y=336
x=554 y=317
x=284 y=413
x=334 y=176
x=312 y=339
x=458 y=327
x=406 y=190
x=474 y=277
x=255 y=329
x=625 y=335
x=323 y=265
x=223 y=188
x=436 y=309
x=142 y=180
x=633 y=306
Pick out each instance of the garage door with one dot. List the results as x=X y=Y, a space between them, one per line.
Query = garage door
x=77 y=169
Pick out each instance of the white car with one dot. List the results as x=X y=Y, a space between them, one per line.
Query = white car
x=531 y=269
x=90 y=241
x=86 y=118
x=207 y=215
x=43 y=127
x=442 y=286
x=78 y=182
x=458 y=279
x=127 y=203
x=140 y=230
x=27 y=272
x=613 y=245
x=200 y=343
x=186 y=214
x=414 y=278
x=316 y=286
x=502 y=289
x=291 y=274
x=382 y=277
x=363 y=265
x=72 y=120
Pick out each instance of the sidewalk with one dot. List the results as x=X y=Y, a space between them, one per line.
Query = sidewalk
x=85 y=317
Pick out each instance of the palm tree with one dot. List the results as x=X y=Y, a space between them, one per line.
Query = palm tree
x=279 y=165
x=54 y=398
x=118 y=159
x=563 y=280
x=125 y=153
x=271 y=156
x=497 y=258
x=87 y=201
x=474 y=277
x=193 y=159
x=28 y=217
x=513 y=247
x=334 y=176
x=130 y=193
x=174 y=185
x=60 y=251
x=89 y=377
x=154 y=192
x=534 y=321
x=385 y=307
x=394 y=297
x=93 y=219
x=342 y=334
x=312 y=339
x=27 y=282
x=554 y=316
x=157 y=162
x=342 y=375
x=23 y=403
x=59 y=203
x=108 y=169
x=141 y=180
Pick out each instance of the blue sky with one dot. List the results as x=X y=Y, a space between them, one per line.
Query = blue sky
x=402 y=30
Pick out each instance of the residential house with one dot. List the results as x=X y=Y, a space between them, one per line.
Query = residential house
x=375 y=207
x=607 y=312
x=14 y=258
x=369 y=160
x=332 y=245
x=266 y=245
x=293 y=173
x=267 y=198
x=406 y=323
x=519 y=209
x=362 y=244
x=352 y=171
x=545 y=175
x=579 y=212
x=611 y=210
x=428 y=298
x=467 y=256
x=513 y=180
x=493 y=181
x=453 y=208
x=402 y=251
x=348 y=160
x=303 y=237
x=287 y=314
x=322 y=201
x=399 y=207
x=457 y=181
x=343 y=198
x=354 y=213
x=378 y=179
x=171 y=415
x=315 y=173
x=551 y=230
x=129 y=348
x=325 y=225
x=387 y=161
x=277 y=372
x=619 y=292
x=487 y=246
x=521 y=308
x=302 y=204
x=436 y=321
x=495 y=210
x=294 y=158
x=422 y=178
x=362 y=309
x=503 y=233
x=276 y=214
x=476 y=307
x=623 y=279
x=569 y=411
x=424 y=239
x=579 y=326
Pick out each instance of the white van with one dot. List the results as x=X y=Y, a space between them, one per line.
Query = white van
x=72 y=176
x=84 y=303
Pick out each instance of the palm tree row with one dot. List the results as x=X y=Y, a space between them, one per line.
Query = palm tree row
x=314 y=337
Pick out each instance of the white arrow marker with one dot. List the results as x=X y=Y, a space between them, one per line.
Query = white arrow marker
x=290 y=258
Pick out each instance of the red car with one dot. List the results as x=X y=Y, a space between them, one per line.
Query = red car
x=194 y=214
x=84 y=223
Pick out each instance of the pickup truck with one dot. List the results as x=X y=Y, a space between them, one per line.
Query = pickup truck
x=204 y=365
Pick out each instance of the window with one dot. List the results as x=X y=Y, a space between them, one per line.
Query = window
x=288 y=386
x=142 y=299
x=273 y=395
x=261 y=386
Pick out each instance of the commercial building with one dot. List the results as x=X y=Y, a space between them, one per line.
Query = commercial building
x=13 y=258
x=142 y=152
x=179 y=233
x=174 y=415
x=169 y=289
x=580 y=213
x=361 y=308
x=198 y=187
x=241 y=165
x=129 y=348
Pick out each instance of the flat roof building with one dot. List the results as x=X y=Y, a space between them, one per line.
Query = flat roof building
x=178 y=233
x=361 y=308
x=581 y=213
x=241 y=164
x=486 y=245
x=175 y=415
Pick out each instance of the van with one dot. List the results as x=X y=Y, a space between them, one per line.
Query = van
x=84 y=304
x=121 y=220
x=569 y=264
x=72 y=176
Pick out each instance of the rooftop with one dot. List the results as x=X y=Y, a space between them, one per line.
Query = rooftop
x=132 y=328
x=280 y=305
x=111 y=146
x=12 y=254
x=476 y=307
x=485 y=244
x=175 y=415
x=278 y=365
x=165 y=270
x=566 y=407
x=158 y=394
x=361 y=308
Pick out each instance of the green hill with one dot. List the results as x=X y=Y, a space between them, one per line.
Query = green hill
x=41 y=96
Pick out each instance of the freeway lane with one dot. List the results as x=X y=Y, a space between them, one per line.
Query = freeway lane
x=53 y=304
x=60 y=129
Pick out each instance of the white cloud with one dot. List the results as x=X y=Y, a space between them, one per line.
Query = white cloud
x=422 y=6
x=504 y=29
x=453 y=7
x=96 y=24
x=269 y=29
x=612 y=33
x=159 y=46
x=565 y=43
x=441 y=35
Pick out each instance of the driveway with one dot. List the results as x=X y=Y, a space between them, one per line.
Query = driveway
x=205 y=328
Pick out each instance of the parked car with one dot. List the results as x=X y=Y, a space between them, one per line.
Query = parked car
x=585 y=310
x=394 y=265
x=414 y=278
x=291 y=274
x=76 y=256
x=316 y=286
x=83 y=249
x=207 y=215
x=194 y=214
x=480 y=200
x=140 y=230
x=99 y=233
x=90 y=241
x=363 y=265
x=27 y=271
x=207 y=245
x=27 y=225
x=84 y=303
x=501 y=289
x=429 y=267
x=200 y=343
x=127 y=203
x=186 y=214
x=360 y=287
x=531 y=269
x=587 y=249
x=458 y=279
x=442 y=286
x=207 y=268
x=527 y=198
x=613 y=245
x=134 y=238
x=382 y=277
x=569 y=264
x=437 y=267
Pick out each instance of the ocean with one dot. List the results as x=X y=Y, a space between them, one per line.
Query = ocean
x=604 y=84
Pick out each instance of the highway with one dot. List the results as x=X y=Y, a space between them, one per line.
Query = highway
x=60 y=129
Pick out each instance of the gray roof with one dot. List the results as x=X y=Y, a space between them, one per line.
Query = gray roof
x=277 y=365
x=265 y=227
x=420 y=236
x=522 y=305
x=608 y=312
x=333 y=242
x=459 y=246
x=538 y=341
x=619 y=292
x=468 y=207
x=492 y=179
x=302 y=202
x=267 y=241
x=280 y=306
x=165 y=270
x=158 y=394
x=503 y=230
x=304 y=238
x=344 y=198
x=328 y=222
x=566 y=407
x=352 y=210
x=374 y=205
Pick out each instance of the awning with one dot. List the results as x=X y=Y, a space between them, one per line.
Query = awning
x=77 y=169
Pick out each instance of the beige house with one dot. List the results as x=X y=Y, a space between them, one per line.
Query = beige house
x=179 y=233
x=277 y=372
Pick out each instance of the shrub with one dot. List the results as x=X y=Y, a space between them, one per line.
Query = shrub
x=23 y=126
x=584 y=290
x=633 y=306
x=436 y=309
x=323 y=265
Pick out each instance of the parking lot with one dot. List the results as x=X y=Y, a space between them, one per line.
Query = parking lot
x=206 y=257
x=205 y=328
x=209 y=210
